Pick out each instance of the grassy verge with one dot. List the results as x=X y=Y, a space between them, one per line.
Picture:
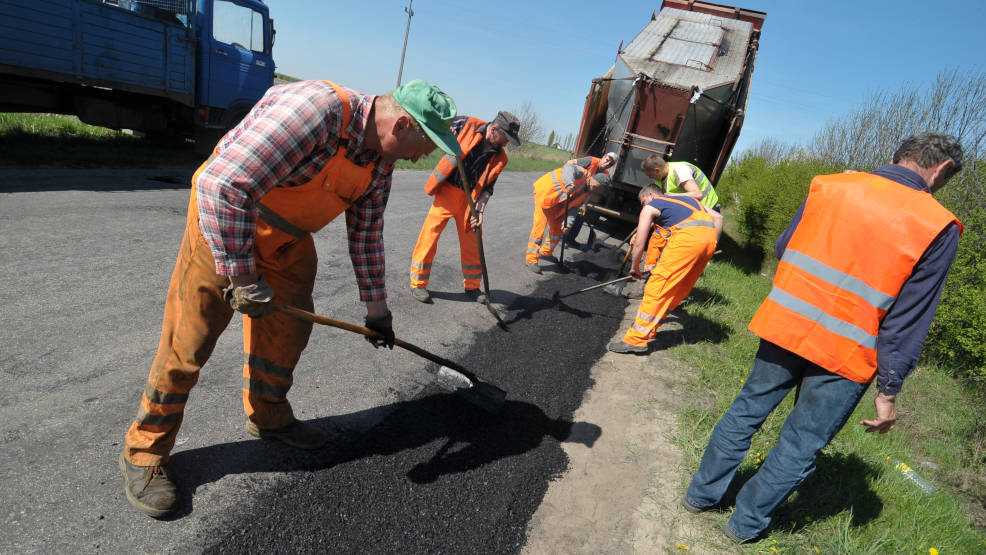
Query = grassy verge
x=524 y=158
x=856 y=502
x=46 y=140
x=49 y=140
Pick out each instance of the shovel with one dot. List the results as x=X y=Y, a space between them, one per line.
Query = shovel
x=449 y=375
x=479 y=236
x=556 y=297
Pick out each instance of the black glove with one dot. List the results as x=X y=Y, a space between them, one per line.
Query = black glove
x=384 y=326
x=252 y=300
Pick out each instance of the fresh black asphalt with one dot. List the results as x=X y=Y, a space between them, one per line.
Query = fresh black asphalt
x=436 y=475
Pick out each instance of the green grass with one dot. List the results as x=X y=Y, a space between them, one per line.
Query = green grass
x=524 y=158
x=46 y=140
x=856 y=502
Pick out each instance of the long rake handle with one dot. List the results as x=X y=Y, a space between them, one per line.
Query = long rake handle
x=597 y=286
x=324 y=320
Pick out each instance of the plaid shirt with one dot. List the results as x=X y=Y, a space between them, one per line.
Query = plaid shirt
x=285 y=141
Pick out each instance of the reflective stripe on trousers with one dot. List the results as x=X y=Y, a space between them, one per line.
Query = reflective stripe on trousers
x=450 y=203
x=552 y=220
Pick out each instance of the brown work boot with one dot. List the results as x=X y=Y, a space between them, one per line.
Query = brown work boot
x=533 y=266
x=296 y=434
x=421 y=295
x=148 y=488
x=476 y=295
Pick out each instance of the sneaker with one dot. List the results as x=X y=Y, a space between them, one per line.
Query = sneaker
x=420 y=294
x=692 y=508
x=476 y=295
x=624 y=348
x=732 y=536
x=533 y=266
x=296 y=434
x=148 y=488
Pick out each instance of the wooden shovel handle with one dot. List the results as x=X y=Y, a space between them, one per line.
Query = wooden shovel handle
x=362 y=330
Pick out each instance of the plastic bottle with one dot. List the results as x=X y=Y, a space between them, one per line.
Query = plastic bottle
x=909 y=473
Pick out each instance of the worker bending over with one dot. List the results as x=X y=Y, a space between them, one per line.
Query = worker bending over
x=684 y=179
x=556 y=194
x=483 y=158
x=680 y=237
x=574 y=223
x=862 y=266
x=307 y=152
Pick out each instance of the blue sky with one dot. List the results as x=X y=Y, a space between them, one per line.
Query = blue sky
x=818 y=59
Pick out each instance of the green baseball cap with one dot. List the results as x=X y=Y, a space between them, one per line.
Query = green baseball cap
x=433 y=109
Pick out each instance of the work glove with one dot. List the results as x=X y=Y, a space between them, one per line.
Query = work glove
x=384 y=326
x=254 y=299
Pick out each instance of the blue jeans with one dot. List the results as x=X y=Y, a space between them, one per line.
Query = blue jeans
x=825 y=403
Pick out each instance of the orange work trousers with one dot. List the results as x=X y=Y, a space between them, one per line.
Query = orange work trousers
x=681 y=263
x=195 y=315
x=539 y=243
x=450 y=202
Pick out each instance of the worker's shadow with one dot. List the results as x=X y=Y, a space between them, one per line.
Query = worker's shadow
x=469 y=438
x=746 y=258
x=841 y=482
x=680 y=327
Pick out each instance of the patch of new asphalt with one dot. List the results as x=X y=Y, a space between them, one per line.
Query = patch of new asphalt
x=437 y=475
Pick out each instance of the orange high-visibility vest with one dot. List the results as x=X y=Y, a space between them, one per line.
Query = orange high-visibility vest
x=468 y=137
x=550 y=190
x=660 y=236
x=312 y=205
x=855 y=246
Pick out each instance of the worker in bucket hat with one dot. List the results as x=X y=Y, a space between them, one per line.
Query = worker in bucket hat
x=307 y=152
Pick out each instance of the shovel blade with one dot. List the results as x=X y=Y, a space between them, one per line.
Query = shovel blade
x=614 y=289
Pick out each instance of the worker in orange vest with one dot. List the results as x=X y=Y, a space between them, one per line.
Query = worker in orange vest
x=574 y=222
x=483 y=157
x=307 y=152
x=680 y=237
x=862 y=266
x=556 y=194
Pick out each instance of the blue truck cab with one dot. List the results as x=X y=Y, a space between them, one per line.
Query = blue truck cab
x=180 y=68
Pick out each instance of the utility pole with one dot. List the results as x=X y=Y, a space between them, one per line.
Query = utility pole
x=410 y=14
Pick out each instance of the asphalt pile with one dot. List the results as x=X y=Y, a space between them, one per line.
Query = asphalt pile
x=437 y=474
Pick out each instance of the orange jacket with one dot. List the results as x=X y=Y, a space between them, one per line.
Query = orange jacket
x=550 y=190
x=856 y=244
x=660 y=236
x=468 y=137
x=312 y=205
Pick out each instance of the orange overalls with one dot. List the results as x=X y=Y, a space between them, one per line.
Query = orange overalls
x=675 y=258
x=450 y=202
x=550 y=198
x=195 y=313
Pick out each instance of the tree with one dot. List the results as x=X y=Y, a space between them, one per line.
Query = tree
x=551 y=138
x=531 y=129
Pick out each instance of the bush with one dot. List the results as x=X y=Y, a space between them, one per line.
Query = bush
x=957 y=338
x=766 y=195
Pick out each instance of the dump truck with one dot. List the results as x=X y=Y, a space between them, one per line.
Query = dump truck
x=170 y=68
x=678 y=89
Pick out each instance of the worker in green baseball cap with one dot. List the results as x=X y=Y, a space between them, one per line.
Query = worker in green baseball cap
x=433 y=110
x=308 y=152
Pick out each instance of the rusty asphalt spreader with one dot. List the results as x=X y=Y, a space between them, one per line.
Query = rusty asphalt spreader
x=449 y=375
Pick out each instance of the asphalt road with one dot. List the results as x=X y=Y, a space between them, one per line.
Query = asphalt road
x=411 y=468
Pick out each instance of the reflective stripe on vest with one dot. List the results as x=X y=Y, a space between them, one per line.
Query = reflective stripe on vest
x=468 y=137
x=660 y=236
x=709 y=197
x=832 y=290
x=311 y=206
